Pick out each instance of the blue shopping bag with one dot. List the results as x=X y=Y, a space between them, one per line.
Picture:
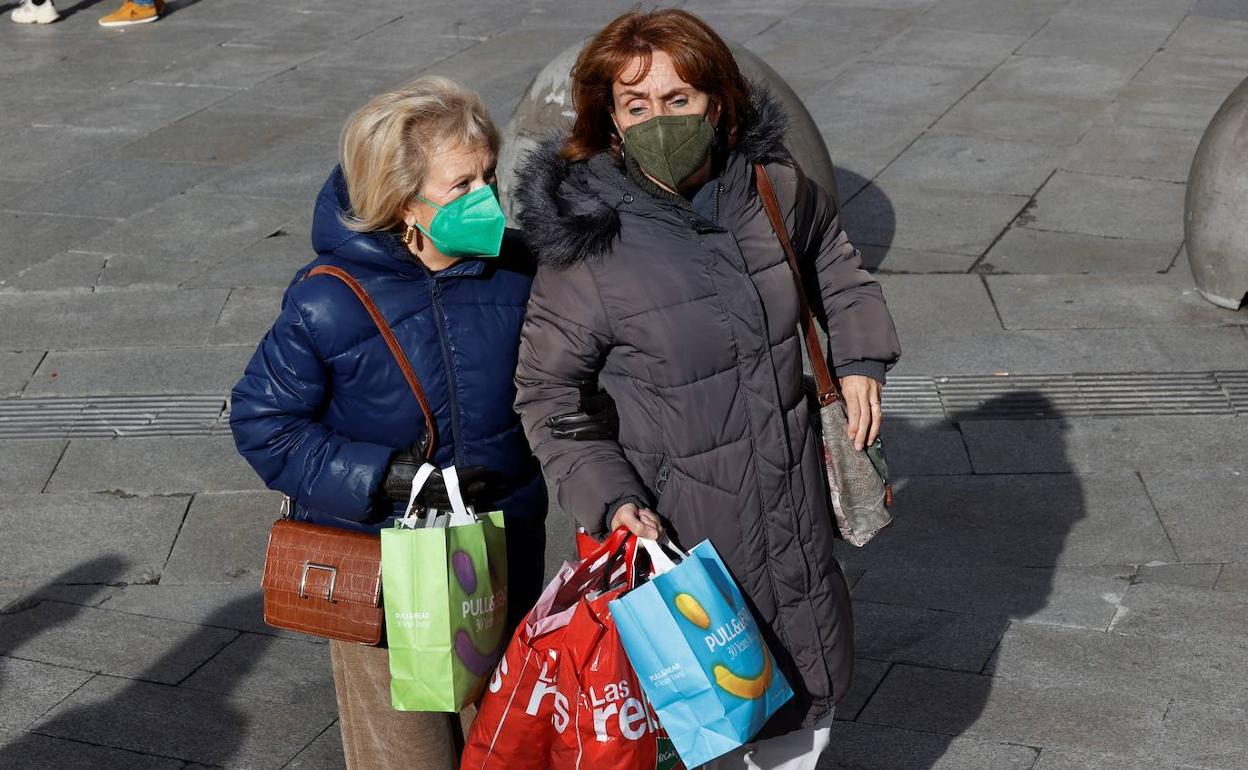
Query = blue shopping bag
x=699 y=654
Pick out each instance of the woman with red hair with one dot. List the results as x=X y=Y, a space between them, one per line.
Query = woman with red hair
x=661 y=276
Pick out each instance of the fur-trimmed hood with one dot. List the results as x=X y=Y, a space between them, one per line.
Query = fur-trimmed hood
x=563 y=213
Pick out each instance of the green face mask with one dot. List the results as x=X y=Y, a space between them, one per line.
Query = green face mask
x=472 y=225
x=670 y=148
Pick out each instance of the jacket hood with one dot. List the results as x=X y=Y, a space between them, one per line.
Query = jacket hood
x=564 y=221
x=331 y=236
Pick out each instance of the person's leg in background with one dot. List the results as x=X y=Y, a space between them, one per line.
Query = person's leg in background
x=798 y=750
x=35 y=12
x=134 y=12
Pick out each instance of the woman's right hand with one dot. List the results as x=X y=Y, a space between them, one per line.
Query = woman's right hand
x=642 y=522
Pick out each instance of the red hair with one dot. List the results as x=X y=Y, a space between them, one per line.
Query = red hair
x=701 y=58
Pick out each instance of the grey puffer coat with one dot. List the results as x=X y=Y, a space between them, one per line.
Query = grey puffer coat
x=691 y=324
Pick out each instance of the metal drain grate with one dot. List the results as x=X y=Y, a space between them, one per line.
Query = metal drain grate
x=956 y=397
x=1040 y=396
x=112 y=416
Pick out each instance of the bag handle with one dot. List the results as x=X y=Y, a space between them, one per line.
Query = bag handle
x=827 y=393
x=460 y=513
x=423 y=473
x=431 y=424
x=660 y=562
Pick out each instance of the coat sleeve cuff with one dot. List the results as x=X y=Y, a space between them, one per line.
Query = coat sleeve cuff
x=873 y=369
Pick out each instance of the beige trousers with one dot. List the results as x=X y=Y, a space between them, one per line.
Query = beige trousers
x=375 y=736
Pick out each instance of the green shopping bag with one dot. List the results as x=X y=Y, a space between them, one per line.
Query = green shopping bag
x=444 y=589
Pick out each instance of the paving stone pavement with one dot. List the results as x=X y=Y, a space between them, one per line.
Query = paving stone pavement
x=1056 y=594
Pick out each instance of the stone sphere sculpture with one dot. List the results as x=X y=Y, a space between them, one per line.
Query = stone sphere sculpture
x=546 y=107
x=1215 y=221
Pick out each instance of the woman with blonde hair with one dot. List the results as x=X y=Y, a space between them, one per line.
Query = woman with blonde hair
x=325 y=415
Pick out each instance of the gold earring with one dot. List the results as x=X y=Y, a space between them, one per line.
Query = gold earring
x=408 y=235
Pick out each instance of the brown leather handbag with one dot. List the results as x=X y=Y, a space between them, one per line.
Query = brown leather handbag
x=326 y=581
x=857 y=480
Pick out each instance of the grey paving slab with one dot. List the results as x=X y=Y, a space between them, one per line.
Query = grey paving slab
x=136 y=108
x=950 y=221
x=886 y=260
x=1177 y=444
x=1031 y=521
x=924 y=448
x=1069 y=598
x=922 y=637
x=20 y=596
x=29 y=239
x=271 y=261
x=1190 y=575
x=16 y=369
x=1104 y=301
x=961 y=301
x=115 y=371
x=1059 y=77
x=72 y=271
x=916 y=89
x=290 y=169
x=225 y=135
x=1085 y=350
x=953 y=47
x=863 y=142
x=1220 y=9
x=974 y=164
x=1184 y=69
x=799 y=50
x=1178 y=612
x=1027 y=251
x=324 y=753
x=1116 y=41
x=1135 y=151
x=857 y=746
x=195 y=227
x=226 y=605
x=1026 y=117
x=248 y=314
x=223 y=539
x=101 y=641
x=134 y=272
x=127 y=539
x=1210 y=37
x=1203 y=511
x=1112 y=206
x=286 y=671
x=324 y=26
x=153 y=466
x=1172 y=107
x=1233 y=577
x=31 y=688
x=1164 y=14
x=241 y=66
x=314 y=92
x=1203 y=735
x=867 y=676
x=1011 y=17
x=1200 y=671
x=970 y=705
x=40 y=752
x=183 y=723
x=113 y=187
x=25 y=466
x=389 y=48
x=71 y=321
x=1071 y=759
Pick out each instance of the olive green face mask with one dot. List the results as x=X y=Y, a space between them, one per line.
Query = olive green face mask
x=670 y=148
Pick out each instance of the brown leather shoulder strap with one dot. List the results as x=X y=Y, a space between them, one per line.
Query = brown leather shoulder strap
x=818 y=361
x=431 y=425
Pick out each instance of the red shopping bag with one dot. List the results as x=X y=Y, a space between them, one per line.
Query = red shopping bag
x=610 y=724
x=523 y=710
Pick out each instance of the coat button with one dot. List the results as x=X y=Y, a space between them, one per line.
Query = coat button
x=628 y=198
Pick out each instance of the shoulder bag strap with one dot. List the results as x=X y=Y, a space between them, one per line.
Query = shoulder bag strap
x=818 y=361
x=431 y=425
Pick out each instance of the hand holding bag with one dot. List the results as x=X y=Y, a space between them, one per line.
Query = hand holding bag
x=858 y=486
x=326 y=581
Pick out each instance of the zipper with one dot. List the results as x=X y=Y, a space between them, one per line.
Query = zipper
x=660 y=481
x=448 y=362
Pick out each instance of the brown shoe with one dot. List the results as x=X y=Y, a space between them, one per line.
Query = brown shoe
x=131 y=13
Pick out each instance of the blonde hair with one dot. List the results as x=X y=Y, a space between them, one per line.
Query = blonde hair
x=387 y=145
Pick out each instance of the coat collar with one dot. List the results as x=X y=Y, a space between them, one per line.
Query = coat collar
x=570 y=211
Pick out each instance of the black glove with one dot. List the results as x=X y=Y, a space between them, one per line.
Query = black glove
x=479 y=485
x=596 y=419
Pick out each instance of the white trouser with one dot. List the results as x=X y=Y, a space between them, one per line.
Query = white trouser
x=798 y=750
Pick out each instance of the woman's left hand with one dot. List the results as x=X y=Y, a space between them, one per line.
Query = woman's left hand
x=862 y=406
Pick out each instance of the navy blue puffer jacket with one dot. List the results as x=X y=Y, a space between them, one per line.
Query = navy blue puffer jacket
x=323 y=406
